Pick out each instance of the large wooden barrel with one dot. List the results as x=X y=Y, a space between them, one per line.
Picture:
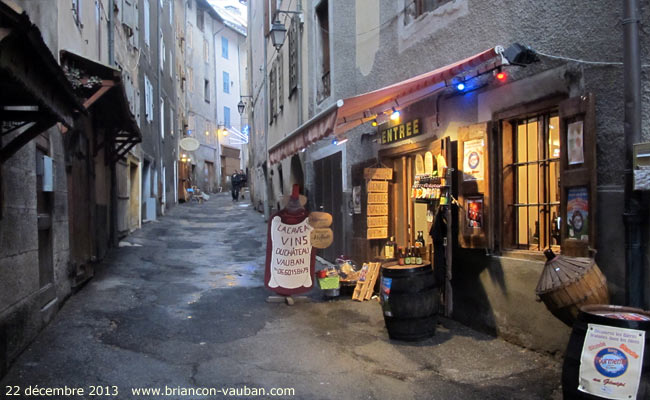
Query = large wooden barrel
x=618 y=351
x=409 y=301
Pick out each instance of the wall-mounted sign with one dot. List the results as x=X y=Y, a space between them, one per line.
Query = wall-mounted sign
x=319 y=219
x=473 y=160
x=377 y=187
x=322 y=238
x=377 y=233
x=399 y=132
x=377 y=209
x=377 y=198
x=378 y=173
x=375 y=222
x=189 y=144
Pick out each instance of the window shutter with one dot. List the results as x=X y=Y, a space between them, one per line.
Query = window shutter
x=506 y=216
x=280 y=74
x=267 y=25
x=146 y=22
x=578 y=171
x=293 y=56
x=135 y=40
x=474 y=186
x=128 y=14
x=272 y=94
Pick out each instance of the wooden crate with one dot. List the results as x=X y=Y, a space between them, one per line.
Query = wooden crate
x=363 y=290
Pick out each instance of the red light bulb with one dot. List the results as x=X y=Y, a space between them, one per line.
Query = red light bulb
x=501 y=76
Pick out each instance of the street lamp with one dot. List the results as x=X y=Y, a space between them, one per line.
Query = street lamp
x=241 y=106
x=278 y=32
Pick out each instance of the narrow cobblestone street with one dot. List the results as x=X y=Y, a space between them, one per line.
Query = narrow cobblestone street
x=181 y=304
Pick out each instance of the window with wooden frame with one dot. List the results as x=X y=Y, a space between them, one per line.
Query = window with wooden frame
x=531 y=181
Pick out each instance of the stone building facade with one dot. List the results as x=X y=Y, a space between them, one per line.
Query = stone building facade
x=361 y=46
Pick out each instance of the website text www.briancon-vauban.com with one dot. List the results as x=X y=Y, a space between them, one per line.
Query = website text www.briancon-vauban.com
x=211 y=391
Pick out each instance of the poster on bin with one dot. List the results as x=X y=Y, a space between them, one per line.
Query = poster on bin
x=611 y=362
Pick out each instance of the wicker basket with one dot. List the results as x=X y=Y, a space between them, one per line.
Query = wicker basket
x=568 y=283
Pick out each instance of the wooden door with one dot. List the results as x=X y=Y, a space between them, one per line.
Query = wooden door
x=328 y=197
x=474 y=224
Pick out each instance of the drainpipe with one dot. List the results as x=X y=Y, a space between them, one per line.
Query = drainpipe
x=634 y=211
x=112 y=232
x=299 y=55
x=161 y=149
x=267 y=198
x=217 y=153
x=111 y=34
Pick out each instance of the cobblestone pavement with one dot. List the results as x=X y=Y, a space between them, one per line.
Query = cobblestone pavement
x=181 y=305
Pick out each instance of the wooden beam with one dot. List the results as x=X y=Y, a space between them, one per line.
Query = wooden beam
x=15 y=128
x=105 y=82
x=121 y=147
x=119 y=154
x=12 y=147
x=96 y=96
x=23 y=116
x=17 y=59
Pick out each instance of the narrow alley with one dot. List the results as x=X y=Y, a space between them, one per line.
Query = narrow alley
x=181 y=305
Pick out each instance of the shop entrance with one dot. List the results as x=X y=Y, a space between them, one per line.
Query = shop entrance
x=414 y=205
x=328 y=197
x=419 y=195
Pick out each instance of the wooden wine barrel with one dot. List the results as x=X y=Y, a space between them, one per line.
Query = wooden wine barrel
x=604 y=315
x=409 y=301
x=568 y=283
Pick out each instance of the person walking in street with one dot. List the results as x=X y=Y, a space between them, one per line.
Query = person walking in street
x=235 y=182
x=242 y=181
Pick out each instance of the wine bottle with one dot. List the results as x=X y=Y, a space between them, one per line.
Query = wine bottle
x=419 y=242
x=389 y=248
x=408 y=258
